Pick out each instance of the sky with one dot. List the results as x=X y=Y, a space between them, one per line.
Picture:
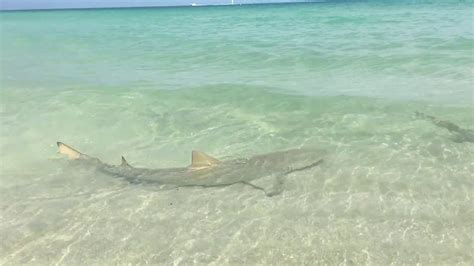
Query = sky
x=50 y=4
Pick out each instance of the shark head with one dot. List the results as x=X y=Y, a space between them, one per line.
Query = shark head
x=289 y=160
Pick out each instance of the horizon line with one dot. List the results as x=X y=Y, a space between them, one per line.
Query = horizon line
x=160 y=6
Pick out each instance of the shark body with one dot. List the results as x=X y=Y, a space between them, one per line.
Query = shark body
x=206 y=171
x=460 y=134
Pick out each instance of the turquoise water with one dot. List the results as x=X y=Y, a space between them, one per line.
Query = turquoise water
x=154 y=84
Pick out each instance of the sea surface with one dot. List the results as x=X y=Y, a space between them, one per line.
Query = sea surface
x=153 y=84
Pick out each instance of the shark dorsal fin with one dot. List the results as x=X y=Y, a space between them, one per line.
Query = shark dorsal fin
x=71 y=153
x=202 y=160
x=124 y=162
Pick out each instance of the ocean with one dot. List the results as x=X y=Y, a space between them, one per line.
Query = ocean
x=153 y=84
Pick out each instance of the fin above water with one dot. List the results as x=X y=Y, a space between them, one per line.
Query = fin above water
x=124 y=162
x=202 y=160
x=69 y=151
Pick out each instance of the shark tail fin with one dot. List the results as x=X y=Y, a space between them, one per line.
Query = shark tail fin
x=69 y=151
x=124 y=162
x=202 y=160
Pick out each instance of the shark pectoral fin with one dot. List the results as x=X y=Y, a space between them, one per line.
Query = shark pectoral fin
x=70 y=152
x=277 y=187
x=269 y=187
x=202 y=160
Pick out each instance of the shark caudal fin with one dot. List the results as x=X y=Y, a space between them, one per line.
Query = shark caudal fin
x=202 y=160
x=69 y=151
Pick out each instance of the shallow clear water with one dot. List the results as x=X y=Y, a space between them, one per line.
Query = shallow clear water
x=154 y=84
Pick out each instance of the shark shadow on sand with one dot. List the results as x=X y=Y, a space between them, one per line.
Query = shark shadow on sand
x=206 y=171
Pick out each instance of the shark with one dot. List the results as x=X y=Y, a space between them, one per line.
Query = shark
x=460 y=134
x=206 y=171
